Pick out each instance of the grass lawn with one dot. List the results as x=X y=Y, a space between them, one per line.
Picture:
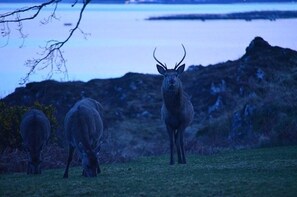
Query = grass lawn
x=257 y=172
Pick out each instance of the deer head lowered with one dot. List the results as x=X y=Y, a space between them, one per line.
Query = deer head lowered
x=177 y=110
x=83 y=130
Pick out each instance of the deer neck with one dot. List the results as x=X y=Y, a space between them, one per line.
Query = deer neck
x=173 y=100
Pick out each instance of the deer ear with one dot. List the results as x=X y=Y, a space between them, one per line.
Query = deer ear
x=161 y=70
x=180 y=69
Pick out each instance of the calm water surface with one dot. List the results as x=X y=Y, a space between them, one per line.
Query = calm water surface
x=120 y=40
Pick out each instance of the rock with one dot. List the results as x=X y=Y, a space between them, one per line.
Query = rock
x=217 y=106
x=242 y=126
x=258 y=44
x=193 y=68
x=218 y=88
x=260 y=74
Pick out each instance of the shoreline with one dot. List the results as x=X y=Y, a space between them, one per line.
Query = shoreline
x=247 y=16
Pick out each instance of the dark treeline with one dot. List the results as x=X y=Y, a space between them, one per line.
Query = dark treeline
x=248 y=16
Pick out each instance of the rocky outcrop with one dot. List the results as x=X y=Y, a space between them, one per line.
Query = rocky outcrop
x=242 y=102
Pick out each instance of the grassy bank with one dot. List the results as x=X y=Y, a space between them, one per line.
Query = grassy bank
x=258 y=172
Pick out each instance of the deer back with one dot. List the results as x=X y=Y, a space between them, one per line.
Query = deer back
x=83 y=124
x=35 y=130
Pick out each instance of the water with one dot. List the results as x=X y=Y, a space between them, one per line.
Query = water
x=121 y=41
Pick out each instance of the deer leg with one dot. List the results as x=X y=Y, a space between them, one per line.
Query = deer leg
x=97 y=157
x=70 y=155
x=28 y=168
x=178 y=146
x=171 y=138
x=182 y=147
x=98 y=169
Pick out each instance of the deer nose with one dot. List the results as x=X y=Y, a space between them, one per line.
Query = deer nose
x=171 y=81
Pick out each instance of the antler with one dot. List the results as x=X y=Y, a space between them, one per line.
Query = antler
x=161 y=64
x=177 y=65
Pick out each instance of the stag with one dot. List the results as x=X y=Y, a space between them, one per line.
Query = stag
x=35 y=131
x=177 y=110
x=83 y=128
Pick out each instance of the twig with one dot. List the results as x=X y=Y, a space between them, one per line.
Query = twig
x=52 y=55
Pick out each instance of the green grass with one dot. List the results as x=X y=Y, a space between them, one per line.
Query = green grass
x=258 y=172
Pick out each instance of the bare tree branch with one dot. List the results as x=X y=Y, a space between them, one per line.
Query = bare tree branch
x=50 y=17
x=51 y=56
x=5 y=33
x=36 y=8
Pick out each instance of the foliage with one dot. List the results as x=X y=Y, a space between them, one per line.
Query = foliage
x=216 y=130
x=10 y=119
x=276 y=116
x=258 y=172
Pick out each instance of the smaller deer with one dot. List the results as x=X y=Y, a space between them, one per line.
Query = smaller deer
x=83 y=128
x=35 y=131
x=177 y=110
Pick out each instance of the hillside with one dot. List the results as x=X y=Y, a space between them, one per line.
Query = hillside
x=259 y=172
x=248 y=102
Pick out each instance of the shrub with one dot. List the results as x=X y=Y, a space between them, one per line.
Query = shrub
x=277 y=122
x=216 y=131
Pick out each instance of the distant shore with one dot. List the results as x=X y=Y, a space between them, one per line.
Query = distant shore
x=248 y=16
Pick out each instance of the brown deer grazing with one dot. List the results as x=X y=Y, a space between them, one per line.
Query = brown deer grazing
x=83 y=128
x=35 y=131
x=177 y=110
